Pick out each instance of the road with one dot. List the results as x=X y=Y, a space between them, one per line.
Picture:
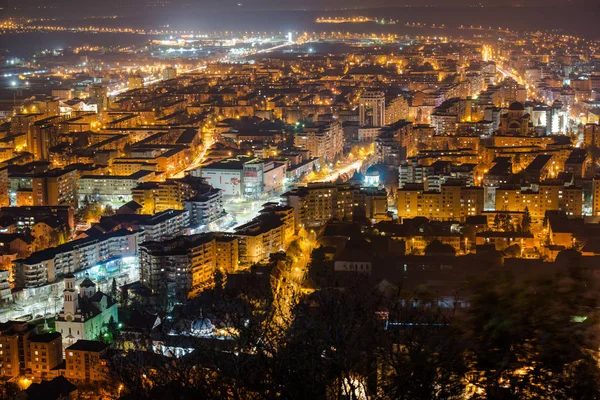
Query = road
x=348 y=169
x=149 y=82
x=243 y=211
x=288 y=291
x=197 y=162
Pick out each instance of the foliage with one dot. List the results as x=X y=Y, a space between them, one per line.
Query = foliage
x=516 y=339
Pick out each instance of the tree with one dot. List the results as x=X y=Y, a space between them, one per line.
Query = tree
x=108 y=211
x=8 y=390
x=111 y=333
x=526 y=221
x=423 y=359
x=503 y=222
x=114 y=290
x=523 y=341
x=517 y=338
x=219 y=279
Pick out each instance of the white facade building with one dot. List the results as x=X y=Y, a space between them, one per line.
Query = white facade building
x=205 y=207
x=85 y=313
x=48 y=265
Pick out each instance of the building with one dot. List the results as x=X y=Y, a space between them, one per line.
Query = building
x=228 y=253
x=324 y=140
x=259 y=238
x=169 y=73
x=4 y=199
x=111 y=188
x=596 y=197
x=27 y=217
x=454 y=202
x=45 y=354
x=165 y=225
x=444 y=124
x=41 y=136
x=548 y=197
x=244 y=176
x=179 y=267
x=516 y=121
x=317 y=203
x=135 y=82
x=86 y=312
x=99 y=95
x=591 y=135
x=396 y=110
x=56 y=187
x=205 y=207
x=160 y=226
x=155 y=197
x=5 y=289
x=50 y=265
x=14 y=347
x=84 y=361
x=371 y=109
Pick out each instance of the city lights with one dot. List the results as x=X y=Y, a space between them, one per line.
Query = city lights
x=384 y=202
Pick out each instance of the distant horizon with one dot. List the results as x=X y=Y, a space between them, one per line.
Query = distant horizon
x=287 y=5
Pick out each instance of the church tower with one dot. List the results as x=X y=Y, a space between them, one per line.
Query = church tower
x=71 y=296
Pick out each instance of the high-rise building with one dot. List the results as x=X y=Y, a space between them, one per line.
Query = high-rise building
x=41 y=136
x=260 y=238
x=178 y=267
x=591 y=135
x=45 y=354
x=371 y=108
x=169 y=73
x=596 y=197
x=324 y=140
x=549 y=197
x=4 y=200
x=56 y=187
x=14 y=346
x=99 y=94
x=315 y=204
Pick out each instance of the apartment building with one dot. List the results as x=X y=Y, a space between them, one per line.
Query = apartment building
x=260 y=238
x=49 y=265
x=45 y=354
x=180 y=266
x=547 y=197
x=56 y=187
x=14 y=347
x=317 y=203
x=85 y=363
x=111 y=188
x=205 y=207
x=156 y=197
x=454 y=202
x=324 y=140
